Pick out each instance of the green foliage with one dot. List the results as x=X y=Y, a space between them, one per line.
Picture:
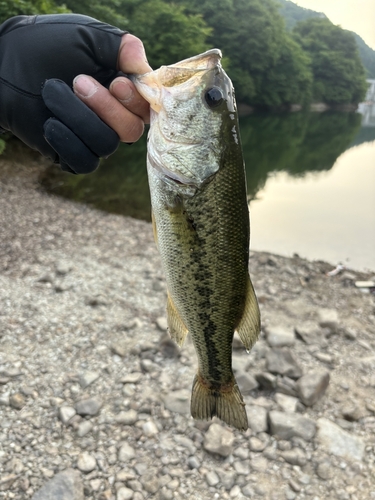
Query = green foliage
x=339 y=76
x=10 y=8
x=167 y=31
x=367 y=56
x=108 y=11
x=293 y=13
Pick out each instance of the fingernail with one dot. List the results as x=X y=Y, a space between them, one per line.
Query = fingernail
x=84 y=86
x=122 y=91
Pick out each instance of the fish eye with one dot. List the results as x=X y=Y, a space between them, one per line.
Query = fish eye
x=214 y=97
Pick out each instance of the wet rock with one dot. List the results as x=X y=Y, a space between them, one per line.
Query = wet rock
x=17 y=401
x=219 y=440
x=295 y=456
x=279 y=336
x=257 y=417
x=86 y=462
x=66 y=485
x=289 y=425
x=281 y=361
x=126 y=453
x=66 y=413
x=127 y=417
x=312 y=386
x=90 y=406
x=88 y=378
x=266 y=380
x=178 y=402
x=339 y=442
x=246 y=382
x=286 y=403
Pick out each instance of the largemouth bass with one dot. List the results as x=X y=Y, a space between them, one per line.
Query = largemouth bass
x=201 y=223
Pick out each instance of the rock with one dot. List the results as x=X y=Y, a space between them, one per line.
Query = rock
x=352 y=412
x=66 y=485
x=127 y=417
x=256 y=444
x=84 y=428
x=87 y=378
x=328 y=318
x=178 y=402
x=149 y=429
x=257 y=417
x=219 y=440
x=212 y=478
x=162 y=323
x=246 y=382
x=325 y=470
x=295 y=457
x=168 y=347
x=286 y=385
x=193 y=463
x=310 y=333
x=132 y=378
x=339 y=442
x=17 y=401
x=150 y=482
x=4 y=399
x=63 y=267
x=286 y=403
x=66 y=413
x=242 y=467
x=126 y=453
x=279 y=336
x=90 y=406
x=289 y=425
x=86 y=462
x=227 y=478
x=266 y=380
x=186 y=443
x=124 y=493
x=281 y=361
x=312 y=386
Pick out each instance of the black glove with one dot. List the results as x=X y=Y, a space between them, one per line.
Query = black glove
x=39 y=58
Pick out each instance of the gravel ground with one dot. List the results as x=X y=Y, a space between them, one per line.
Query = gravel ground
x=94 y=397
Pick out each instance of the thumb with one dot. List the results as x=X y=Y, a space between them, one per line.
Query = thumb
x=132 y=56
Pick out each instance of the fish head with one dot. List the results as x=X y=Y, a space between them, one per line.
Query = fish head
x=190 y=101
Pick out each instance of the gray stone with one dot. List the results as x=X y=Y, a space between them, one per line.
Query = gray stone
x=281 y=361
x=312 y=386
x=178 y=402
x=84 y=428
x=66 y=413
x=193 y=463
x=246 y=382
x=310 y=333
x=352 y=412
x=90 y=406
x=256 y=444
x=295 y=456
x=86 y=462
x=286 y=403
x=219 y=440
x=149 y=429
x=127 y=417
x=325 y=470
x=66 y=485
x=87 y=378
x=186 y=443
x=17 y=401
x=289 y=425
x=266 y=380
x=212 y=478
x=257 y=417
x=279 y=336
x=124 y=493
x=126 y=453
x=227 y=478
x=162 y=323
x=131 y=378
x=150 y=482
x=339 y=442
x=242 y=467
x=328 y=318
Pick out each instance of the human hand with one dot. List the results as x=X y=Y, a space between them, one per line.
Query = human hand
x=39 y=107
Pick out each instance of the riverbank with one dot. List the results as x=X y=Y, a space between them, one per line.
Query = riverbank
x=90 y=383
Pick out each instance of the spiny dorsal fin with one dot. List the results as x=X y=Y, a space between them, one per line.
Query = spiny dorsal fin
x=176 y=327
x=248 y=327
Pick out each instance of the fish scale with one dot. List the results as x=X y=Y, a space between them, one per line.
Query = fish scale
x=201 y=224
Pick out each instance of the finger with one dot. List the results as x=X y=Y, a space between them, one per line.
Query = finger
x=132 y=56
x=124 y=90
x=128 y=126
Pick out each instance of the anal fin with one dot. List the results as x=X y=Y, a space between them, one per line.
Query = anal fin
x=176 y=327
x=224 y=402
x=248 y=327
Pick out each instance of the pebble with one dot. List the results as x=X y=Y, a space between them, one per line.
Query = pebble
x=219 y=440
x=312 y=386
x=126 y=453
x=162 y=323
x=127 y=417
x=212 y=478
x=66 y=413
x=295 y=457
x=66 y=485
x=256 y=444
x=279 y=336
x=194 y=463
x=246 y=382
x=150 y=429
x=88 y=378
x=289 y=425
x=339 y=442
x=266 y=380
x=257 y=417
x=178 y=401
x=286 y=403
x=84 y=428
x=17 y=401
x=328 y=318
x=86 y=462
x=281 y=361
x=90 y=406
x=124 y=493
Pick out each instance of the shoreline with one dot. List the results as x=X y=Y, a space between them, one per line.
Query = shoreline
x=90 y=383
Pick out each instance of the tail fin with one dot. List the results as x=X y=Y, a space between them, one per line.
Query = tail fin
x=225 y=403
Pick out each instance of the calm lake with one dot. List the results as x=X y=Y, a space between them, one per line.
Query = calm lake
x=310 y=180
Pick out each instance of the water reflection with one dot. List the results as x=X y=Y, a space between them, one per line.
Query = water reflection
x=295 y=143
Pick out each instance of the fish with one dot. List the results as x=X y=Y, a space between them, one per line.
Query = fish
x=201 y=225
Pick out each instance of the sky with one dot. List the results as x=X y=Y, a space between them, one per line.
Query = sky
x=353 y=15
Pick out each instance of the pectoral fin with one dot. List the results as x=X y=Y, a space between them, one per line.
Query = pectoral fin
x=248 y=327
x=176 y=327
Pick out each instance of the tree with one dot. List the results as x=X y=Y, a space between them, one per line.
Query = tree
x=10 y=8
x=339 y=76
